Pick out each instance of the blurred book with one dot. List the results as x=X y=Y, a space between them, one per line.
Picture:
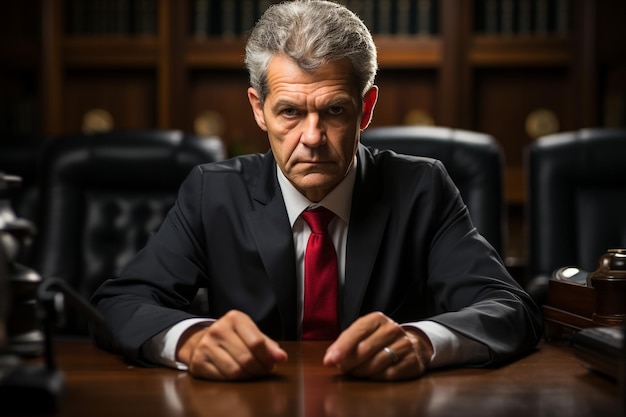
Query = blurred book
x=601 y=349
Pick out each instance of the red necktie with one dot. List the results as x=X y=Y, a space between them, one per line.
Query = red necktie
x=319 y=321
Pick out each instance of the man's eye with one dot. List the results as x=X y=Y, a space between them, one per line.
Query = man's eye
x=290 y=112
x=335 y=110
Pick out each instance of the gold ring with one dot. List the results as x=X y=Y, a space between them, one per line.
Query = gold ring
x=392 y=354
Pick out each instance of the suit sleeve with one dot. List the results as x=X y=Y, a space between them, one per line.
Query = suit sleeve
x=473 y=292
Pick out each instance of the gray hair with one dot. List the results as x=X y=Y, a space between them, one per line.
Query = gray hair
x=312 y=33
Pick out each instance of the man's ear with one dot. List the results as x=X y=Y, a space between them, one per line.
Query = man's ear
x=369 y=102
x=257 y=108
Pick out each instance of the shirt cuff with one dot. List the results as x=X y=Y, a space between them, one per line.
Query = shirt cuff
x=450 y=347
x=161 y=349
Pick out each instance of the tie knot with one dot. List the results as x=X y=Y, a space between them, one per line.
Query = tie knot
x=318 y=219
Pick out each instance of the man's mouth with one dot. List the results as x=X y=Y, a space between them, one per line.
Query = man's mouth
x=315 y=162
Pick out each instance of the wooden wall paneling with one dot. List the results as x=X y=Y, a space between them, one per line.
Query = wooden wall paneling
x=220 y=96
x=166 y=61
x=129 y=95
x=503 y=100
x=611 y=62
x=405 y=94
x=453 y=95
x=584 y=64
x=465 y=72
x=164 y=70
x=178 y=106
x=51 y=82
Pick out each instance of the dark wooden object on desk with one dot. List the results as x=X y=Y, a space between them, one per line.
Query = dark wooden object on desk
x=600 y=301
x=100 y=384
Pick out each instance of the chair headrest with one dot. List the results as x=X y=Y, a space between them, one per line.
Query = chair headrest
x=138 y=158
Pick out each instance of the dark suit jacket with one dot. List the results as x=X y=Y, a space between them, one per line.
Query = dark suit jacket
x=412 y=253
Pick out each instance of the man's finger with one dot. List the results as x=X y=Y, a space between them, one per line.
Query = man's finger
x=348 y=343
x=233 y=348
x=361 y=342
x=257 y=354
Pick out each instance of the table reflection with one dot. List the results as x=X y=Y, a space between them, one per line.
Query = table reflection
x=190 y=396
x=548 y=382
x=316 y=391
x=303 y=394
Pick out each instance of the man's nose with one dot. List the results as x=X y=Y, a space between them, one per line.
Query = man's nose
x=313 y=133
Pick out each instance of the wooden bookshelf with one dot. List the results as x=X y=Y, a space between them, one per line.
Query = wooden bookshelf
x=519 y=51
x=103 y=52
x=158 y=64
x=409 y=52
x=215 y=53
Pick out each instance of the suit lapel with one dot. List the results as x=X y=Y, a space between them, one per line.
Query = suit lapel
x=270 y=229
x=368 y=218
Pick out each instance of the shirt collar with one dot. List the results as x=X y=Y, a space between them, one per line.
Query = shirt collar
x=339 y=200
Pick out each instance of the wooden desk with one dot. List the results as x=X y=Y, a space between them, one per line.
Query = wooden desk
x=550 y=382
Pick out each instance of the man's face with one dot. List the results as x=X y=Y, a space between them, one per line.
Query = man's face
x=313 y=121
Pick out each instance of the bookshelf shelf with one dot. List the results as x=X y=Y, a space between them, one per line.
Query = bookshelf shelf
x=408 y=51
x=110 y=51
x=393 y=52
x=521 y=51
x=215 y=52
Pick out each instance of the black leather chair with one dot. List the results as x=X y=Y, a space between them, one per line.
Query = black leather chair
x=473 y=160
x=103 y=195
x=576 y=201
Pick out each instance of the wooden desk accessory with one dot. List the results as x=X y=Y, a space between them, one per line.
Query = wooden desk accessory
x=598 y=300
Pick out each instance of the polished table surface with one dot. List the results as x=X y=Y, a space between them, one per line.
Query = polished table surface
x=548 y=382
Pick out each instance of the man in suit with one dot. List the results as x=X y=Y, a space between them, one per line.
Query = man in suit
x=418 y=287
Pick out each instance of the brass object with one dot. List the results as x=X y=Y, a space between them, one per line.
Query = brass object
x=97 y=120
x=609 y=282
x=418 y=117
x=541 y=122
x=209 y=123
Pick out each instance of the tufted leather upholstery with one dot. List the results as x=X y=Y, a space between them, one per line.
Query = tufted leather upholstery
x=576 y=201
x=104 y=194
x=473 y=160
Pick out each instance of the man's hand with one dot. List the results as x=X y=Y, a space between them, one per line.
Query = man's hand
x=376 y=347
x=232 y=348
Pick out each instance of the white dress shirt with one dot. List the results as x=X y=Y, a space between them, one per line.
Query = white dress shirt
x=449 y=347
